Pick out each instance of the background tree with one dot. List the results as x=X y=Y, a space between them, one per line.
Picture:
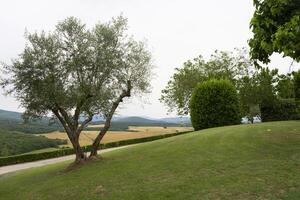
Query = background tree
x=285 y=86
x=221 y=65
x=249 y=96
x=276 y=28
x=176 y=95
x=267 y=80
x=75 y=72
x=255 y=88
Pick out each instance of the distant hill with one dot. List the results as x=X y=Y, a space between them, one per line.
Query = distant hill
x=141 y=121
x=16 y=138
x=138 y=119
x=122 y=123
x=4 y=114
x=177 y=120
x=135 y=119
x=12 y=121
x=16 y=143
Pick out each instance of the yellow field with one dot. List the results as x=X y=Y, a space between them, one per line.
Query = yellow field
x=96 y=126
x=87 y=137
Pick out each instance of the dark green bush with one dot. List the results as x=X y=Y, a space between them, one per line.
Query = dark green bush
x=10 y=160
x=279 y=109
x=214 y=103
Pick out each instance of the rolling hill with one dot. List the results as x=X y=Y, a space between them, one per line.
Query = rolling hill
x=141 y=121
x=16 y=138
x=10 y=115
x=177 y=120
x=13 y=121
x=135 y=119
x=260 y=161
x=121 y=123
x=12 y=143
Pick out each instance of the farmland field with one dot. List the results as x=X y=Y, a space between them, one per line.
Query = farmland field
x=87 y=137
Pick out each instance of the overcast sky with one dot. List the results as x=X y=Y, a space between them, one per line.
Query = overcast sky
x=176 y=30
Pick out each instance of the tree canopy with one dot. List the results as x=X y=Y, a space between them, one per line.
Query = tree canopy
x=221 y=65
x=276 y=28
x=75 y=71
x=253 y=85
x=255 y=88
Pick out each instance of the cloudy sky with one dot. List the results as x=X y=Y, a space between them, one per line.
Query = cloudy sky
x=176 y=30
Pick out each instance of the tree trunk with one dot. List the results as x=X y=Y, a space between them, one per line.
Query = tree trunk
x=80 y=155
x=94 y=151
x=96 y=143
x=95 y=146
x=72 y=130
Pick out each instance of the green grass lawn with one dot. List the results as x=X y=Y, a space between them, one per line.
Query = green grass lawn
x=259 y=161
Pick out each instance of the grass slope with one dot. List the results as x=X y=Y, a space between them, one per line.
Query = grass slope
x=236 y=162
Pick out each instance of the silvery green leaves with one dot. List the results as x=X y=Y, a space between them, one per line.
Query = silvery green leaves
x=75 y=71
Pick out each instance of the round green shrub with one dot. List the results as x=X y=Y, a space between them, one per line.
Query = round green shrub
x=214 y=103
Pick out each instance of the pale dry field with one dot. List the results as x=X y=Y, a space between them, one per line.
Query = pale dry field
x=96 y=126
x=86 y=137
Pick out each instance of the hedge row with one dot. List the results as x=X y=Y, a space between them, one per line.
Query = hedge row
x=10 y=160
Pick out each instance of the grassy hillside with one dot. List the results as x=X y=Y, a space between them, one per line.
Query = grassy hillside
x=12 y=143
x=259 y=161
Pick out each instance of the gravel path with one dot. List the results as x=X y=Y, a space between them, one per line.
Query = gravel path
x=39 y=163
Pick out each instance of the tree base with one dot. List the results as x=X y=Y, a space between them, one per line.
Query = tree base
x=76 y=164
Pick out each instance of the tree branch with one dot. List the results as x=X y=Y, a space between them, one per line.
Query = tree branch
x=85 y=122
x=125 y=93
x=292 y=63
x=78 y=109
x=66 y=117
x=62 y=121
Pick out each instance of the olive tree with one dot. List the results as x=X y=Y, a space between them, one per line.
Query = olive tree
x=74 y=72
